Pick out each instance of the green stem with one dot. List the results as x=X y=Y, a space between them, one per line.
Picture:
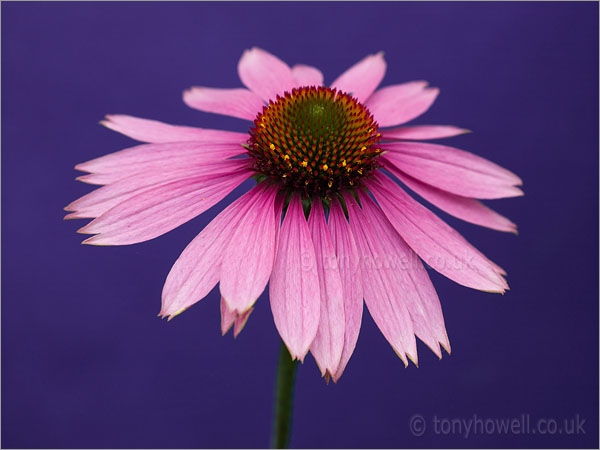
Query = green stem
x=284 y=399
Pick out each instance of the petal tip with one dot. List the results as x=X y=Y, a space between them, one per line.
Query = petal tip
x=415 y=360
x=299 y=356
x=82 y=178
x=186 y=94
x=84 y=230
x=88 y=241
x=172 y=316
x=71 y=216
x=446 y=346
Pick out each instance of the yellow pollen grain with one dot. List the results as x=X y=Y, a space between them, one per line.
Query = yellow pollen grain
x=272 y=147
x=286 y=157
x=330 y=183
x=325 y=167
x=363 y=149
x=359 y=171
x=343 y=163
x=304 y=164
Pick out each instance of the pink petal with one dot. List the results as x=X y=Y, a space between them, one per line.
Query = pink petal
x=240 y=322
x=307 y=75
x=231 y=317
x=279 y=203
x=434 y=241
x=453 y=170
x=362 y=78
x=248 y=261
x=227 y=317
x=96 y=179
x=155 y=132
x=147 y=157
x=422 y=132
x=393 y=105
x=240 y=103
x=265 y=74
x=467 y=209
x=329 y=341
x=160 y=209
x=398 y=91
x=101 y=200
x=348 y=263
x=197 y=270
x=181 y=163
x=419 y=297
x=294 y=285
x=384 y=295
x=102 y=179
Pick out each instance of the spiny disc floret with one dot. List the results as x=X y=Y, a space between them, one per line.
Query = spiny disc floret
x=315 y=139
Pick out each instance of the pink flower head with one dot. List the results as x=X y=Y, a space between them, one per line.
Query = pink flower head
x=324 y=225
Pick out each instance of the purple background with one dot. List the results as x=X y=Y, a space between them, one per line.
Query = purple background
x=86 y=362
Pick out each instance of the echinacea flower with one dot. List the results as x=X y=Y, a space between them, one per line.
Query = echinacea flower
x=327 y=159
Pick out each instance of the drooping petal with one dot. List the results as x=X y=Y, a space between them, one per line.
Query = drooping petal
x=397 y=91
x=159 y=209
x=294 y=285
x=453 y=170
x=178 y=163
x=240 y=103
x=362 y=78
x=400 y=103
x=227 y=317
x=279 y=203
x=197 y=270
x=434 y=241
x=422 y=132
x=307 y=75
x=265 y=74
x=329 y=341
x=101 y=200
x=248 y=261
x=467 y=209
x=143 y=158
x=231 y=317
x=420 y=296
x=382 y=290
x=156 y=132
x=348 y=263
x=240 y=322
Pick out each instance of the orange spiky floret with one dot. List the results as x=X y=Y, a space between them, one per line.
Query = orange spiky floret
x=316 y=139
